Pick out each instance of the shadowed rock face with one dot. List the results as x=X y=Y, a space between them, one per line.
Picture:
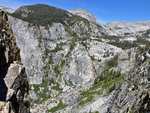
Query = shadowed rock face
x=14 y=87
x=8 y=48
x=3 y=87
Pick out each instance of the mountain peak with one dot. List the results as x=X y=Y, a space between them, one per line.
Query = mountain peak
x=85 y=14
x=80 y=9
x=9 y=10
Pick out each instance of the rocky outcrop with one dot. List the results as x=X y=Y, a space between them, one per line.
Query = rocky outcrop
x=8 y=10
x=133 y=95
x=14 y=87
x=122 y=28
x=8 y=48
x=85 y=14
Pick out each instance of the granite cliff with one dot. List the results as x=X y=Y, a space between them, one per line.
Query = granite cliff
x=76 y=65
x=14 y=87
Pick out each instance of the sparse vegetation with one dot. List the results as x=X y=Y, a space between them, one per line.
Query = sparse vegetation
x=147 y=33
x=58 y=107
x=39 y=41
x=107 y=82
x=124 y=44
x=133 y=107
x=44 y=94
x=58 y=67
x=42 y=90
x=142 y=49
x=18 y=57
x=73 y=42
x=57 y=70
x=113 y=62
x=48 y=55
x=113 y=87
x=57 y=87
x=69 y=31
x=57 y=48
x=114 y=38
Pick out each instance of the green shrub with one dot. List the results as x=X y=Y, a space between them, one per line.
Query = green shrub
x=124 y=44
x=113 y=62
x=43 y=95
x=57 y=70
x=18 y=57
x=57 y=87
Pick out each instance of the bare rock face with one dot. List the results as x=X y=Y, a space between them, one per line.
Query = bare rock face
x=5 y=107
x=8 y=10
x=120 y=28
x=85 y=14
x=133 y=95
x=14 y=86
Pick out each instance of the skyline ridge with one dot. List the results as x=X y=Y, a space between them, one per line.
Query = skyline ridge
x=105 y=11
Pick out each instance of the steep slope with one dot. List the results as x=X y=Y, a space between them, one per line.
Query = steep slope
x=14 y=87
x=73 y=64
x=44 y=39
x=133 y=94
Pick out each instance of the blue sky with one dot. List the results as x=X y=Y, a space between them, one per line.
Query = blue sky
x=104 y=10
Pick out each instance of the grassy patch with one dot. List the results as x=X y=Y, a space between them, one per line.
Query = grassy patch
x=86 y=97
x=58 y=107
x=57 y=68
x=57 y=87
x=69 y=30
x=44 y=94
x=57 y=48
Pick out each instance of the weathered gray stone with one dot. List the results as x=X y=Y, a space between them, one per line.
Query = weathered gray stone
x=13 y=77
